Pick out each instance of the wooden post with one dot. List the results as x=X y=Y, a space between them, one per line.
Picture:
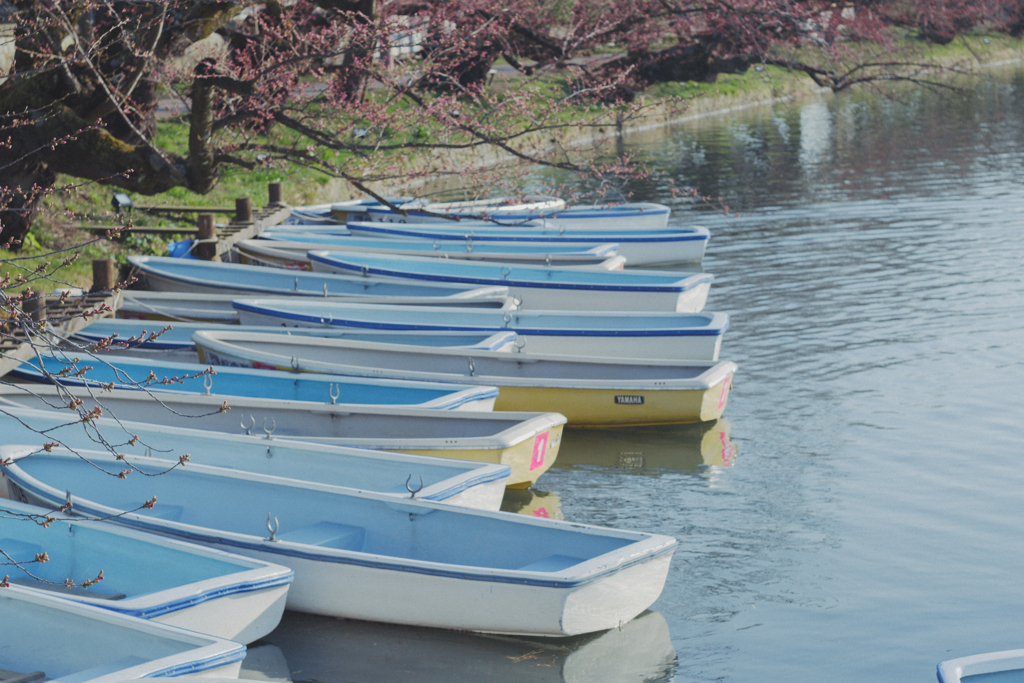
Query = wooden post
x=35 y=305
x=104 y=275
x=243 y=210
x=207 y=230
x=276 y=193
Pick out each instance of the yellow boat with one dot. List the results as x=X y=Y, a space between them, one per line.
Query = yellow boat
x=637 y=405
x=590 y=392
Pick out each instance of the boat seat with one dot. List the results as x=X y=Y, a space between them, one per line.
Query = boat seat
x=552 y=563
x=20 y=551
x=328 y=535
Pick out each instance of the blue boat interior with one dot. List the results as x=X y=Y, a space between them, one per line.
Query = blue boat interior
x=80 y=550
x=503 y=274
x=73 y=647
x=229 y=381
x=393 y=529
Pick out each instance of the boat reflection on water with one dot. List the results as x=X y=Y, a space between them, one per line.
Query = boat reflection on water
x=668 y=447
x=533 y=502
x=328 y=650
x=265 y=662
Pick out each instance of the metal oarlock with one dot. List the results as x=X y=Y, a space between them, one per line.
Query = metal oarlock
x=248 y=430
x=272 y=529
x=334 y=391
x=273 y=426
x=207 y=383
x=413 y=492
x=472 y=368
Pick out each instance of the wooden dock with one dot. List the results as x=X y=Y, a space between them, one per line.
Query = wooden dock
x=62 y=319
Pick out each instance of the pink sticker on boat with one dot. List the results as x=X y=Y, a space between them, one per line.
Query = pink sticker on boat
x=541 y=512
x=540 y=446
x=725 y=392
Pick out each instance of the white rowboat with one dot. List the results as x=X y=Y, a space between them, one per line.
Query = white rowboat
x=456 y=482
x=144 y=576
x=616 y=334
x=526 y=442
x=640 y=247
x=534 y=287
x=366 y=556
x=208 y=277
x=47 y=637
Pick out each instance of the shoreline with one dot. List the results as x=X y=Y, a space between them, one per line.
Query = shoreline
x=792 y=88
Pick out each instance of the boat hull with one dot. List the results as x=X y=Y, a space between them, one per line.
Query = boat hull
x=991 y=667
x=171 y=306
x=616 y=407
x=261 y=610
x=527 y=459
x=416 y=599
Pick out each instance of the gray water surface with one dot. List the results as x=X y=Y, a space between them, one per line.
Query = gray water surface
x=860 y=514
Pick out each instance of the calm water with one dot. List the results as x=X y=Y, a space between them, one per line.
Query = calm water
x=860 y=516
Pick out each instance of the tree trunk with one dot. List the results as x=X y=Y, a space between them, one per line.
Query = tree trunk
x=22 y=190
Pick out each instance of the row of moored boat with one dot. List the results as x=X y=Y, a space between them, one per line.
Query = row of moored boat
x=330 y=425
